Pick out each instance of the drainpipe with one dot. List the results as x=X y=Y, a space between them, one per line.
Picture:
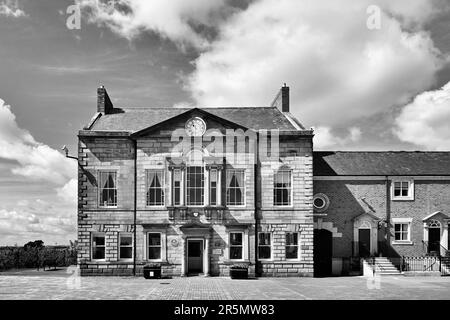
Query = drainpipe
x=135 y=207
x=388 y=215
x=256 y=172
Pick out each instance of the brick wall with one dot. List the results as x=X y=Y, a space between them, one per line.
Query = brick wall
x=346 y=203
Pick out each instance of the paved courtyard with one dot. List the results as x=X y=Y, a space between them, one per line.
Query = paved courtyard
x=62 y=284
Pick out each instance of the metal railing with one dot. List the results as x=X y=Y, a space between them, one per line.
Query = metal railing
x=421 y=264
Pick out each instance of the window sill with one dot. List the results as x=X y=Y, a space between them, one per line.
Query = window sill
x=403 y=199
x=98 y=261
x=162 y=262
x=406 y=243
x=231 y=262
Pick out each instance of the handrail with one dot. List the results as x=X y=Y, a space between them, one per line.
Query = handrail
x=430 y=267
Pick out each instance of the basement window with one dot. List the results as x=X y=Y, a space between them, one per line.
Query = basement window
x=236 y=245
x=264 y=246
x=98 y=246
x=154 y=246
x=291 y=245
x=125 y=247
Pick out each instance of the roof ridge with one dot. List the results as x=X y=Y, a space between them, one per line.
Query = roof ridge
x=387 y=151
x=196 y=107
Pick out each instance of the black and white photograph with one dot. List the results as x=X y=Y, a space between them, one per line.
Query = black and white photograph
x=248 y=152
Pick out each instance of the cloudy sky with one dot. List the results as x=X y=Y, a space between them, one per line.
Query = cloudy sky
x=366 y=74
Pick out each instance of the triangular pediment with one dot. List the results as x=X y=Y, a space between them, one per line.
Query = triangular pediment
x=434 y=215
x=211 y=120
x=369 y=215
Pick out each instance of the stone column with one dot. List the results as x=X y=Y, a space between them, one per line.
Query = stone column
x=206 y=188
x=183 y=178
x=169 y=188
x=219 y=187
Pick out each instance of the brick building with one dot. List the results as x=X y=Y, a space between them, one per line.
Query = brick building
x=389 y=204
x=198 y=190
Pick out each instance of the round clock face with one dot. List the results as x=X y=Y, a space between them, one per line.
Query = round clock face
x=195 y=127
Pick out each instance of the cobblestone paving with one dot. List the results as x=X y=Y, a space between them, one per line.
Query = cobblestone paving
x=63 y=285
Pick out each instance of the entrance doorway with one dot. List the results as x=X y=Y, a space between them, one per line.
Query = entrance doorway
x=434 y=241
x=194 y=256
x=364 y=243
x=323 y=252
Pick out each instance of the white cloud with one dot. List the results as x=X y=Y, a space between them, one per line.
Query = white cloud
x=426 y=120
x=37 y=220
x=177 y=20
x=31 y=218
x=68 y=192
x=10 y=8
x=325 y=138
x=36 y=161
x=338 y=70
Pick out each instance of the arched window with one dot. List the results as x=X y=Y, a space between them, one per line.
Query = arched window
x=235 y=187
x=155 y=187
x=434 y=224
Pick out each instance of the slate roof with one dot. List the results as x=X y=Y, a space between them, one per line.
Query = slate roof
x=134 y=120
x=401 y=163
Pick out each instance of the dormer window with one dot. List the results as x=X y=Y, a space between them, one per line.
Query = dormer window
x=402 y=189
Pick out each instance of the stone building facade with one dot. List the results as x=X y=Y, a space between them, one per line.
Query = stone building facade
x=198 y=190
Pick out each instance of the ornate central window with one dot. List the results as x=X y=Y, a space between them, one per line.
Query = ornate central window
x=195 y=180
x=195 y=186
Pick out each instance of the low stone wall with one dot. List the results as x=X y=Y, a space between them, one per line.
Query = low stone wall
x=287 y=269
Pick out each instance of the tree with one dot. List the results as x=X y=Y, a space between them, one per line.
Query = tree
x=34 y=244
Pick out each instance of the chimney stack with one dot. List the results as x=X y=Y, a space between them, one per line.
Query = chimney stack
x=104 y=104
x=281 y=100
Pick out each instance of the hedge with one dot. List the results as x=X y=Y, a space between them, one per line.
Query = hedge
x=36 y=257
